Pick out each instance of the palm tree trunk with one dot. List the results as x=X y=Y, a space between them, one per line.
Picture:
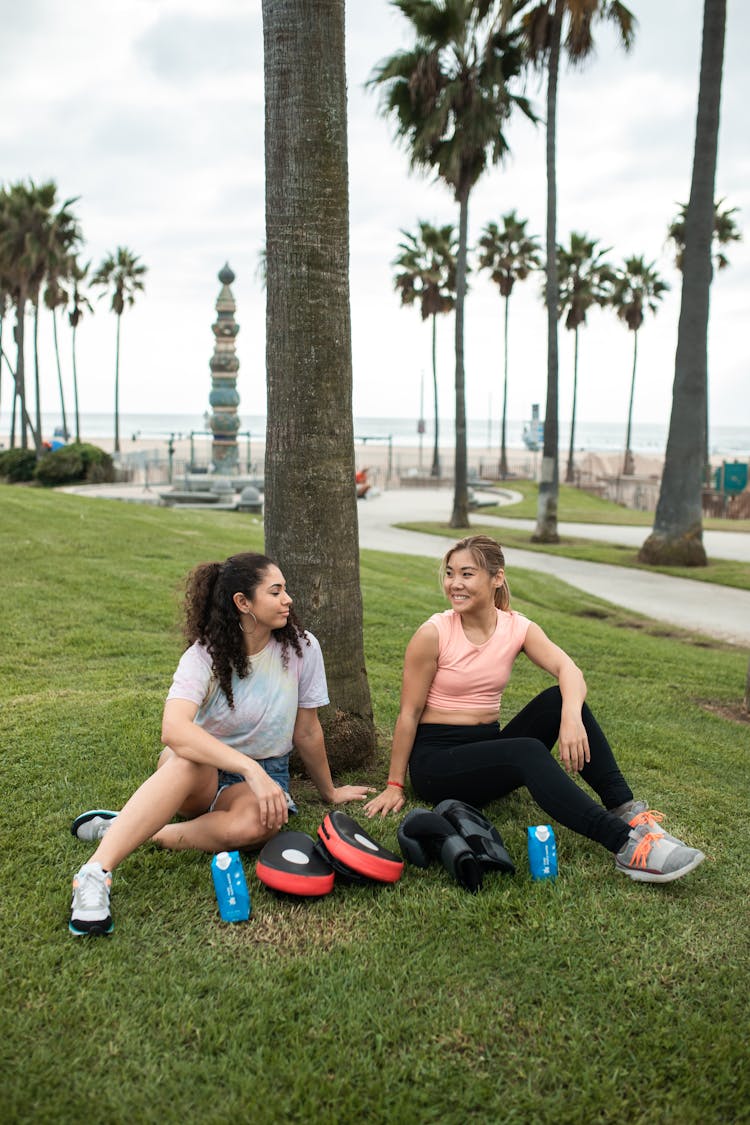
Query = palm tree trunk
x=677 y=535
x=310 y=510
x=59 y=375
x=18 y=332
x=117 y=386
x=460 y=514
x=628 y=467
x=75 y=386
x=503 y=452
x=37 y=392
x=19 y=406
x=436 y=446
x=569 y=470
x=549 y=485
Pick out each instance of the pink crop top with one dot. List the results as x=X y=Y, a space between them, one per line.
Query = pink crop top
x=473 y=677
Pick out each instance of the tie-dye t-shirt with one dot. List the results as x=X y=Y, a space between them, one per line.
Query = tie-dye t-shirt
x=265 y=702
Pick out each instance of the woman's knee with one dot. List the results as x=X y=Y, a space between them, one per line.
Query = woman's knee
x=243 y=828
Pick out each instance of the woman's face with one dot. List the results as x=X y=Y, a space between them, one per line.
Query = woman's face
x=270 y=602
x=467 y=585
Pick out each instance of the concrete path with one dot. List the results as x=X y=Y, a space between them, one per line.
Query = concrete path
x=718 y=611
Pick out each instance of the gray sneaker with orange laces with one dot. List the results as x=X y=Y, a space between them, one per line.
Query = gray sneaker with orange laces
x=654 y=857
x=638 y=812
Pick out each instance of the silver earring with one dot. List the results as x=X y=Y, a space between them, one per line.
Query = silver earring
x=249 y=632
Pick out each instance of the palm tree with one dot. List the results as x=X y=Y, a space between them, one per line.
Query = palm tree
x=677 y=535
x=55 y=297
x=123 y=274
x=510 y=255
x=52 y=236
x=310 y=509
x=726 y=230
x=543 y=28
x=449 y=97
x=427 y=273
x=17 y=265
x=79 y=304
x=637 y=290
x=584 y=279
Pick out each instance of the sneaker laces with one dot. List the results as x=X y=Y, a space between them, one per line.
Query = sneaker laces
x=91 y=890
x=642 y=850
x=648 y=816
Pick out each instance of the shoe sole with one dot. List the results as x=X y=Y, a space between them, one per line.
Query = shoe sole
x=96 y=930
x=645 y=876
x=84 y=818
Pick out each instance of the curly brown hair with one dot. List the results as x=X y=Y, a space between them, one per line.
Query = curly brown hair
x=212 y=618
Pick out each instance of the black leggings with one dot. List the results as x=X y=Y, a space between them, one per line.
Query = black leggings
x=478 y=764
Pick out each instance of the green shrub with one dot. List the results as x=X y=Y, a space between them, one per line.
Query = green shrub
x=74 y=462
x=17 y=465
x=61 y=466
x=98 y=464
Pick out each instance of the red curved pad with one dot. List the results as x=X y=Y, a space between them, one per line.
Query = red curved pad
x=351 y=845
x=291 y=863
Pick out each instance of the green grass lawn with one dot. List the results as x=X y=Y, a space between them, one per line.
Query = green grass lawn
x=588 y=999
x=578 y=506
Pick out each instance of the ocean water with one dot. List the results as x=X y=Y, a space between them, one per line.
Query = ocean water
x=599 y=437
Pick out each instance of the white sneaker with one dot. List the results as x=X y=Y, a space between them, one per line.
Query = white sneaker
x=93 y=824
x=89 y=909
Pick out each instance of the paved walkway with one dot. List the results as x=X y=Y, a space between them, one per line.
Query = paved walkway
x=718 y=611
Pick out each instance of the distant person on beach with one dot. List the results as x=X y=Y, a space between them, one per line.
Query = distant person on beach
x=246 y=691
x=448 y=733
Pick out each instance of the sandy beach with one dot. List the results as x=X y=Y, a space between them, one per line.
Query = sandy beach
x=376 y=456
x=155 y=459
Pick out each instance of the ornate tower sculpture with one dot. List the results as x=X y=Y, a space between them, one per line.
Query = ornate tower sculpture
x=224 y=398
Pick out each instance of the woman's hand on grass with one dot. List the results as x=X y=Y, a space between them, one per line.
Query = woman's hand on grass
x=346 y=793
x=390 y=800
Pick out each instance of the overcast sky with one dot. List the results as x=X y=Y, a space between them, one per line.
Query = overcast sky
x=151 y=111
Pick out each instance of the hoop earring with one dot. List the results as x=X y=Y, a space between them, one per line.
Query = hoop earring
x=249 y=632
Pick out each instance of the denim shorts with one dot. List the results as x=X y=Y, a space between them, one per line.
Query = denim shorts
x=276 y=768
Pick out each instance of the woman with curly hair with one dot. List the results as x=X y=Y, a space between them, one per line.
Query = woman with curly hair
x=246 y=691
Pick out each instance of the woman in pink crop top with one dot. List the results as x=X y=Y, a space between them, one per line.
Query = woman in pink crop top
x=449 y=737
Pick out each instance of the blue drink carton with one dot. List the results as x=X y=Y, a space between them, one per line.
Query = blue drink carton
x=542 y=851
x=230 y=885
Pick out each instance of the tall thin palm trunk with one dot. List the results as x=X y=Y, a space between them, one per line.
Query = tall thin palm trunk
x=37 y=389
x=570 y=468
x=677 y=535
x=436 y=445
x=117 y=387
x=460 y=514
x=503 y=451
x=628 y=467
x=59 y=375
x=75 y=385
x=18 y=332
x=549 y=485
